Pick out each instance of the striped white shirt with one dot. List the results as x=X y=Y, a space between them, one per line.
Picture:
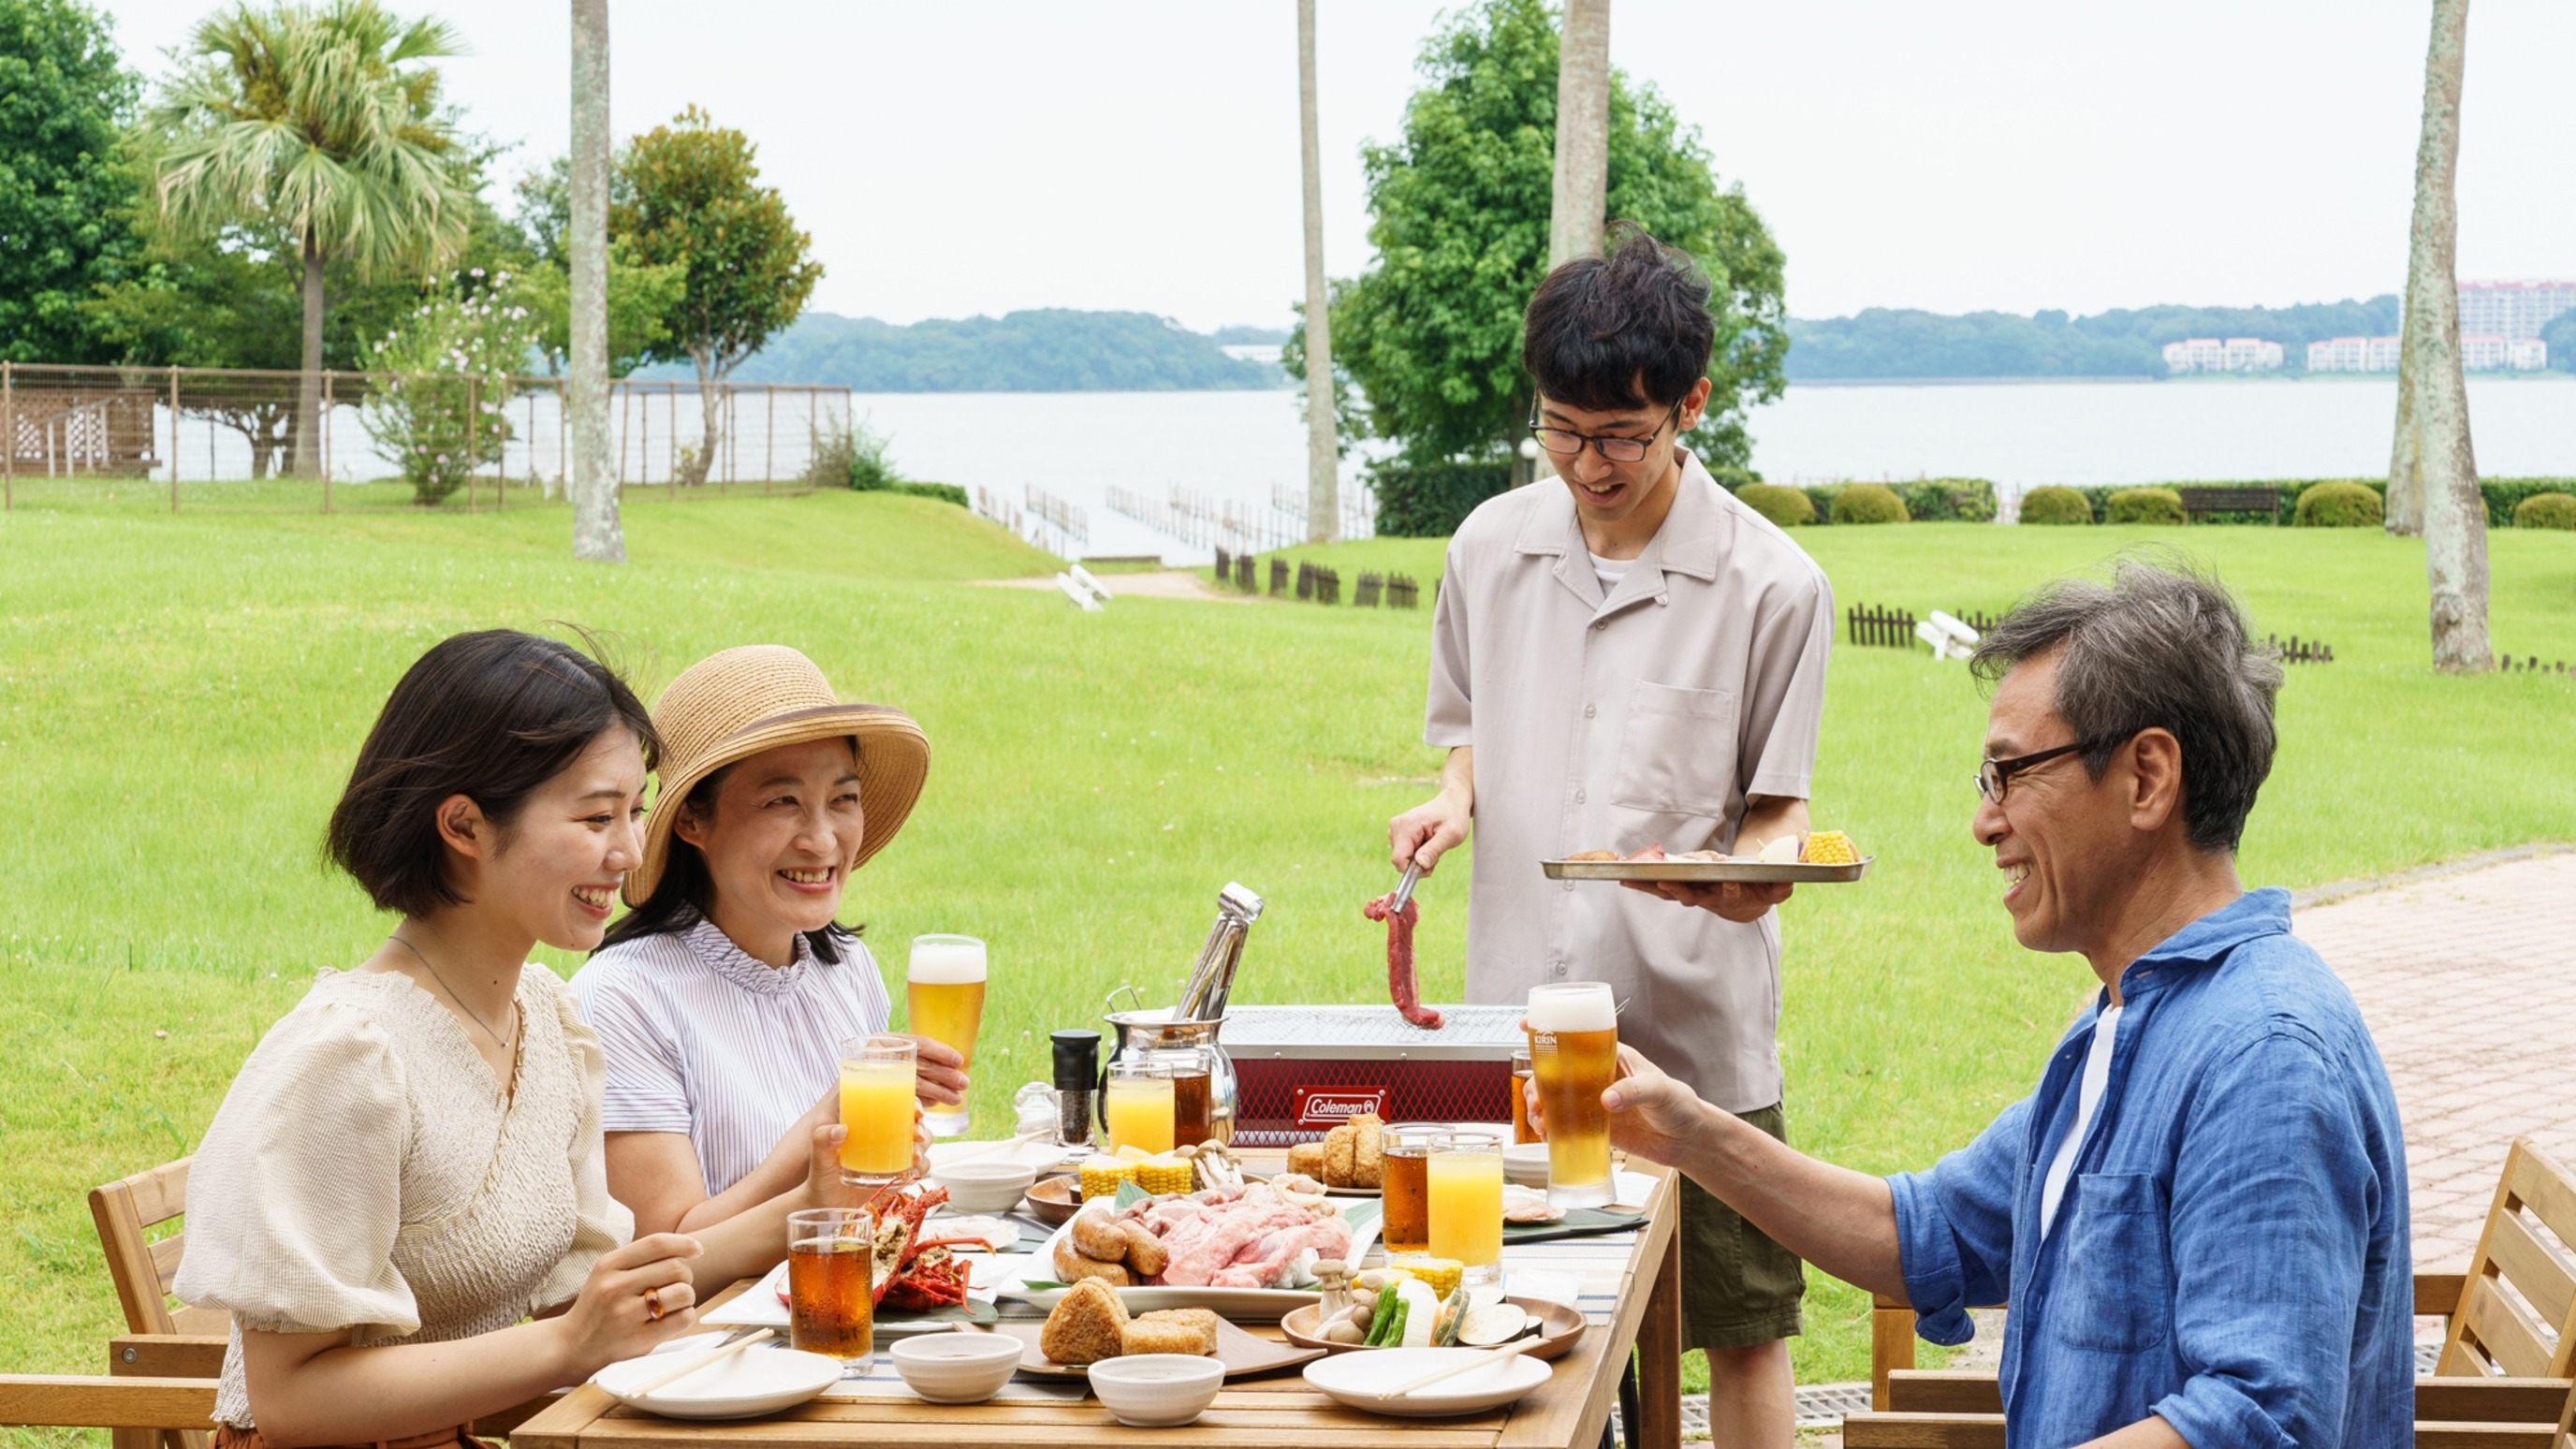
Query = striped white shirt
x=703 y=1038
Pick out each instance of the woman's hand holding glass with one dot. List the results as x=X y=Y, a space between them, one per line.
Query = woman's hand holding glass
x=636 y=1297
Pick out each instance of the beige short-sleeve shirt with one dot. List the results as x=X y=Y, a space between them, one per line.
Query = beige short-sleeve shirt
x=1612 y=723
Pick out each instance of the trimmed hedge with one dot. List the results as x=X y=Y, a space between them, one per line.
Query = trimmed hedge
x=1868 y=503
x=2054 y=504
x=1785 y=507
x=1430 y=500
x=944 y=492
x=2546 y=510
x=2338 y=505
x=2158 y=506
x=2503 y=495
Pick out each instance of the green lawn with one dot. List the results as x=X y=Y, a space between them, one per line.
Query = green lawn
x=180 y=699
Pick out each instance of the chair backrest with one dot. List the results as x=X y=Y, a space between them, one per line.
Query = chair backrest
x=2517 y=1314
x=143 y=1267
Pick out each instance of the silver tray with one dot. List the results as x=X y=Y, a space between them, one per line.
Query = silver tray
x=1706 y=872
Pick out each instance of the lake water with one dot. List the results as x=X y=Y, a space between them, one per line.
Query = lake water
x=1240 y=446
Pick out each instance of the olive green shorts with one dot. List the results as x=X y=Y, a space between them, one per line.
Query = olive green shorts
x=1739 y=1288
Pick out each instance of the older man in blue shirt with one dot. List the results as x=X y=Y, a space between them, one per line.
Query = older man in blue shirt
x=2199 y=1217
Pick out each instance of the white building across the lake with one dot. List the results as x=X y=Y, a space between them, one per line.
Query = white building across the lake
x=2487 y=353
x=2512 y=310
x=2211 y=354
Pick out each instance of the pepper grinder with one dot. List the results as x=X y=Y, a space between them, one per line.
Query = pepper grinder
x=1077 y=1078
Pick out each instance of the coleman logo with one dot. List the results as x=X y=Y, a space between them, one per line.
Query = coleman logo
x=1331 y=1106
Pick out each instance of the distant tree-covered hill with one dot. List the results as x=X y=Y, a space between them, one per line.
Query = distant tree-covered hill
x=1888 y=343
x=1054 y=350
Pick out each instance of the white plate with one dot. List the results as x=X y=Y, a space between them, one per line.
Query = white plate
x=1003 y=1233
x=1355 y=1379
x=1241 y=1305
x=758 y=1380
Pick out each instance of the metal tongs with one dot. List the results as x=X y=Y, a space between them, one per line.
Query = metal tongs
x=1404 y=888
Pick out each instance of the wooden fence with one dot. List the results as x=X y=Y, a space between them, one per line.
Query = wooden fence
x=2300 y=651
x=1881 y=628
x=2530 y=665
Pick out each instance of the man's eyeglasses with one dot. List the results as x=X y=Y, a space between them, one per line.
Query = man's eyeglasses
x=1994 y=777
x=1618 y=450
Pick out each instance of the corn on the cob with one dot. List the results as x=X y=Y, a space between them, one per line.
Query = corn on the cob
x=1829 y=847
x=1440 y=1275
x=1102 y=1174
x=1163 y=1174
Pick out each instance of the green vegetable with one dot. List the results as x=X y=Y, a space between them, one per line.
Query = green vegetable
x=1452 y=1313
x=1403 y=1314
x=1384 y=1325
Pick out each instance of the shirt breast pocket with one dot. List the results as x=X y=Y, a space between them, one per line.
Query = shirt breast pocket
x=1677 y=752
x=2116 y=1266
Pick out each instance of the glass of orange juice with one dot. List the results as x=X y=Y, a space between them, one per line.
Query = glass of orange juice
x=1466 y=1182
x=1137 y=1108
x=877 y=1092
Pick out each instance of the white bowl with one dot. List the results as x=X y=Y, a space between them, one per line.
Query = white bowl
x=1526 y=1163
x=1157 y=1390
x=984 y=1185
x=956 y=1368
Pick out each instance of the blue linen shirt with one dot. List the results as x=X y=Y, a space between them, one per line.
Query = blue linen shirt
x=2231 y=1253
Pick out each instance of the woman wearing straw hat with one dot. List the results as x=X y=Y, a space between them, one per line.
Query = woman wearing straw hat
x=722 y=997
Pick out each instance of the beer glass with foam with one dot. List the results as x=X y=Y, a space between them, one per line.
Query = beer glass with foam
x=944 y=986
x=1574 y=1053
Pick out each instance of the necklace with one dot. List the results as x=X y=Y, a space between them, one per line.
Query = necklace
x=452 y=996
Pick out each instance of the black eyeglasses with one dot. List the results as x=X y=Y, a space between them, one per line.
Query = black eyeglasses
x=1994 y=777
x=1618 y=450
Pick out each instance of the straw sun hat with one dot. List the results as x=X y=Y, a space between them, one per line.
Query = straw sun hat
x=738 y=702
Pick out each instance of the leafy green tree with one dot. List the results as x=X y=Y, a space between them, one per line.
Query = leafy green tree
x=64 y=100
x=325 y=122
x=639 y=297
x=1431 y=335
x=693 y=200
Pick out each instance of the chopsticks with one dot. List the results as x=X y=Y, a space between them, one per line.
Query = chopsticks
x=697 y=1361
x=1494 y=1356
x=972 y=1153
x=1404 y=888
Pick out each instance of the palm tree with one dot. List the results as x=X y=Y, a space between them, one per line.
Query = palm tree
x=1323 y=454
x=2432 y=459
x=595 y=531
x=1575 y=217
x=324 y=122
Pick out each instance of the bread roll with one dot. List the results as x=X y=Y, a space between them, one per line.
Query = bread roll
x=1142 y=1337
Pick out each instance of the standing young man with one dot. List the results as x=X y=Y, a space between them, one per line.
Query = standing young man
x=1624 y=657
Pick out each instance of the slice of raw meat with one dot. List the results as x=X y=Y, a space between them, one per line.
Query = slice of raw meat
x=1399 y=959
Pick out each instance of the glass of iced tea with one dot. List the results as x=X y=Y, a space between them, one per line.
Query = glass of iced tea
x=1465 y=1178
x=1405 y=1226
x=1193 y=1105
x=877 y=1092
x=1522 y=1131
x=830 y=1303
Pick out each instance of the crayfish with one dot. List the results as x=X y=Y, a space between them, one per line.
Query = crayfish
x=909 y=1271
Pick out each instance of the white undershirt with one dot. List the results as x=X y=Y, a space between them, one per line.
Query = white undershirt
x=2097 y=1074
x=1609 y=571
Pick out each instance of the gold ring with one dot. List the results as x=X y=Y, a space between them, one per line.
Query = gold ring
x=653 y=1303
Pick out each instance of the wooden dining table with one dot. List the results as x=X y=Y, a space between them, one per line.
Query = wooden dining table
x=1626 y=1285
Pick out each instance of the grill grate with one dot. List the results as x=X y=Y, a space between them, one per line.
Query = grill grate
x=1478 y=1030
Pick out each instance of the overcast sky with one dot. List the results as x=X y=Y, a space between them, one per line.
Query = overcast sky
x=955 y=158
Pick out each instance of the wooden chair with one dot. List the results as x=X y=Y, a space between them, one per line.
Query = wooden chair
x=2502 y=1377
x=162 y=1339
x=127 y=1405
x=165 y=1342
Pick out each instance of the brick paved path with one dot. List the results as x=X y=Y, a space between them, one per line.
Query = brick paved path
x=2468 y=981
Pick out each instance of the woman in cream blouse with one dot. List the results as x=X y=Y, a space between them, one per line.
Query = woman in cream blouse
x=410 y=1164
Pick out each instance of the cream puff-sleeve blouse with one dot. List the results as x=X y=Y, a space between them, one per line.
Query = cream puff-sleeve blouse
x=366 y=1174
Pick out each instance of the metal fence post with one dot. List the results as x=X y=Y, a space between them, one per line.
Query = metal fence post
x=471 y=442
x=769 y=467
x=327 y=376
x=174 y=438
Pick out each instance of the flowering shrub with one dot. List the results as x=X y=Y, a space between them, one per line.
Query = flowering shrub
x=443 y=409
